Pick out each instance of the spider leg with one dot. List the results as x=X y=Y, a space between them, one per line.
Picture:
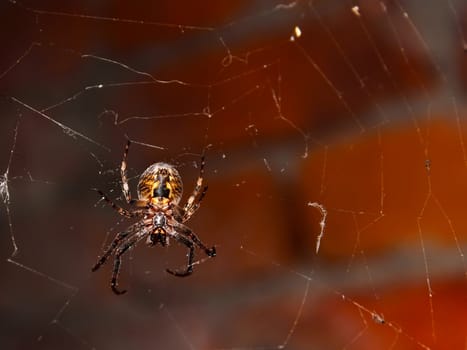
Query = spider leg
x=191 y=206
x=188 y=233
x=102 y=260
x=125 y=185
x=191 y=210
x=123 y=173
x=120 y=210
x=189 y=269
x=134 y=229
x=118 y=261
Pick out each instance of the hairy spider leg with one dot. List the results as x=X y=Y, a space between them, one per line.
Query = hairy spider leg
x=187 y=237
x=118 y=261
x=123 y=173
x=187 y=232
x=125 y=186
x=188 y=214
x=191 y=206
x=189 y=269
x=120 y=210
x=117 y=240
x=102 y=260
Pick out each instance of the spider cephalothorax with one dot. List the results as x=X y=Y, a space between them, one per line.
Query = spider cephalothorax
x=160 y=216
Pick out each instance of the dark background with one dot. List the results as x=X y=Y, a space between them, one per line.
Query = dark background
x=363 y=113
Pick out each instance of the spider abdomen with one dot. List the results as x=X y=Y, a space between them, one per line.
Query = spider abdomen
x=160 y=183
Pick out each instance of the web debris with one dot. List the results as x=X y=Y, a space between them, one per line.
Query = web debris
x=322 y=223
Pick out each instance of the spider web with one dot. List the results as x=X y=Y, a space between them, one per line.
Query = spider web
x=336 y=164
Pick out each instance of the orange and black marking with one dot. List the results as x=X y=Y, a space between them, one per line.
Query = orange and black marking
x=160 y=184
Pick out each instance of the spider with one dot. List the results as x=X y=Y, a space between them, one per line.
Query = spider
x=160 y=216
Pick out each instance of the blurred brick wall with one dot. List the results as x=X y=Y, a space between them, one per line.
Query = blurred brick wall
x=373 y=177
